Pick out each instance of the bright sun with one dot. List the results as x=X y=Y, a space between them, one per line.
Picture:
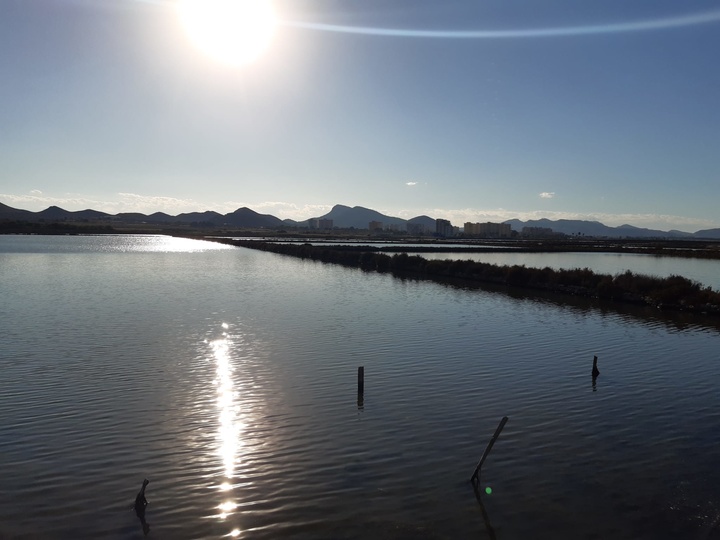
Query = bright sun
x=234 y=32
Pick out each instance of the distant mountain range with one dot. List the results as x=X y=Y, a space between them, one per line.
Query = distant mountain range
x=597 y=229
x=343 y=217
x=358 y=217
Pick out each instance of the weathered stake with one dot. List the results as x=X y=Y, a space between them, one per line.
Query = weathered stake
x=361 y=387
x=476 y=475
x=595 y=370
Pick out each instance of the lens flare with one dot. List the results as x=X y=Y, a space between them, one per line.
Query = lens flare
x=613 y=28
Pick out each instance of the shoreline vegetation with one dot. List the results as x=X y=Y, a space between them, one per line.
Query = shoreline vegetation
x=675 y=293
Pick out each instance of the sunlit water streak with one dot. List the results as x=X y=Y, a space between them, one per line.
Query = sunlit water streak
x=230 y=434
x=109 y=357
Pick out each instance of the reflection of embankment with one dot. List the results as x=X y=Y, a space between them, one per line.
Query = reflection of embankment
x=674 y=293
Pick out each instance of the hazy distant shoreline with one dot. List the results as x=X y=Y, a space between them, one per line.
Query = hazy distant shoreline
x=689 y=248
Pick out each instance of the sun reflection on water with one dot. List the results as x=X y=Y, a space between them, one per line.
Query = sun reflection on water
x=158 y=243
x=230 y=426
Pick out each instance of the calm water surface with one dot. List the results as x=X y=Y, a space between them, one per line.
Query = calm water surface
x=228 y=378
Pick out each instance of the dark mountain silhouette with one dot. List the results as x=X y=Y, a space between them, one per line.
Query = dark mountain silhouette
x=358 y=217
x=131 y=217
x=424 y=221
x=201 y=217
x=342 y=216
x=8 y=212
x=244 y=217
x=162 y=217
x=594 y=228
x=55 y=213
x=137 y=217
x=708 y=233
x=638 y=232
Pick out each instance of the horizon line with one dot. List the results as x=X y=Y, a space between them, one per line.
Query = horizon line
x=354 y=207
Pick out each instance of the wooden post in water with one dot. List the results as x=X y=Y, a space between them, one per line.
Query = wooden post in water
x=361 y=387
x=595 y=370
x=476 y=475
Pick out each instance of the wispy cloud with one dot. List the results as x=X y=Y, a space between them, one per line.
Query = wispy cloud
x=547 y=195
x=122 y=202
x=411 y=184
x=285 y=210
x=36 y=201
x=149 y=204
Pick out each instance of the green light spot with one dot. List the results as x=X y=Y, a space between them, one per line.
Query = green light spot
x=488 y=490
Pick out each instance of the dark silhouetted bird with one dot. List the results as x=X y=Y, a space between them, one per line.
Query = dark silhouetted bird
x=141 y=501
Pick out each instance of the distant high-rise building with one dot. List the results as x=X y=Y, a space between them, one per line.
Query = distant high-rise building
x=375 y=226
x=443 y=227
x=325 y=224
x=313 y=223
x=488 y=230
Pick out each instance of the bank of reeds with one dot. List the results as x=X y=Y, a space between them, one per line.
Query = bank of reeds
x=674 y=292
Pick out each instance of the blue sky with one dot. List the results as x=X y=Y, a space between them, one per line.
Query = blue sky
x=470 y=110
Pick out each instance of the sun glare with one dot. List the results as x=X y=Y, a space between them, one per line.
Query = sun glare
x=234 y=32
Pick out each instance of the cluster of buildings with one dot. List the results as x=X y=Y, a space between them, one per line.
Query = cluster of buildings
x=488 y=230
x=379 y=226
x=444 y=229
x=320 y=224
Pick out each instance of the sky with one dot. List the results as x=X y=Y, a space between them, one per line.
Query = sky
x=468 y=110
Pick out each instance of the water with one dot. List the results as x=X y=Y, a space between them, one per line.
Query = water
x=704 y=271
x=228 y=378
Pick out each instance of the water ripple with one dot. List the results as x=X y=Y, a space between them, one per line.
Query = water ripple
x=228 y=378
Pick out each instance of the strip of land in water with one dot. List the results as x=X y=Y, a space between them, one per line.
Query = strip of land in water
x=669 y=293
x=674 y=293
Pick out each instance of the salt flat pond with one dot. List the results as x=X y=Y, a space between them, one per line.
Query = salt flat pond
x=227 y=377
